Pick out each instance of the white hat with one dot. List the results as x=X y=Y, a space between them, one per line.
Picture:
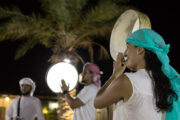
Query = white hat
x=28 y=81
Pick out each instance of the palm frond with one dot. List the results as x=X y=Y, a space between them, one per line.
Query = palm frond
x=76 y=6
x=98 y=15
x=10 y=28
x=56 y=10
x=58 y=45
x=8 y=13
x=76 y=10
x=95 y=32
x=63 y=24
x=120 y=2
x=103 y=54
x=88 y=44
x=104 y=24
x=20 y=26
x=91 y=52
x=22 y=50
x=84 y=44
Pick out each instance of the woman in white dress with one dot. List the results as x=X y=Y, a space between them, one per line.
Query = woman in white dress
x=151 y=89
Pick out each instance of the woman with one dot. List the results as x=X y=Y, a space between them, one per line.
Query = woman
x=151 y=90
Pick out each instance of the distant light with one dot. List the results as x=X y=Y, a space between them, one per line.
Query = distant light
x=53 y=105
x=67 y=60
x=61 y=71
x=45 y=111
x=6 y=99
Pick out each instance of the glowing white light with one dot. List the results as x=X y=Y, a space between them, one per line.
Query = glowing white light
x=61 y=71
x=67 y=61
x=6 y=98
x=53 y=105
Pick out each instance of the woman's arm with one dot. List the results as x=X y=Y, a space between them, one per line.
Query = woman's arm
x=119 y=88
x=106 y=85
x=118 y=69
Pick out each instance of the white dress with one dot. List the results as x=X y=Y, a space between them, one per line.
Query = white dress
x=141 y=104
x=87 y=111
x=30 y=107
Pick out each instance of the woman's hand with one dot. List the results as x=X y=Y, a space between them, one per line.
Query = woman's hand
x=119 y=65
x=64 y=87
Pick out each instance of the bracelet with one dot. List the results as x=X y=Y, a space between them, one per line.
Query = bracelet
x=65 y=92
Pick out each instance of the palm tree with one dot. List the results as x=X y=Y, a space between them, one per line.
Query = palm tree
x=63 y=25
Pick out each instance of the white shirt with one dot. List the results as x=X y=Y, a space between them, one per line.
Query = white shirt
x=141 y=104
x=87 y=111
x=30 y=107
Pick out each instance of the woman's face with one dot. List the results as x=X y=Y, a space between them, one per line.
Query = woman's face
x=131 y=54
x=87 y=76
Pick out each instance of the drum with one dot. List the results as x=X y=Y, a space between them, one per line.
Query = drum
x=128 y=22
x=61 y=71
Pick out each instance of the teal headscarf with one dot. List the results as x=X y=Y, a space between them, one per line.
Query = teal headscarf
x=149 y=39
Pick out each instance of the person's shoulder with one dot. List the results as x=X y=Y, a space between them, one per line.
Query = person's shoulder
x=132 y=75
x=92 y=87
x=122 y=79
x=15 y=99
x=35 y=98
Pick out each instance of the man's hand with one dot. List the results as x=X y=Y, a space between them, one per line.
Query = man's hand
x=64 y=87
x=60 y=94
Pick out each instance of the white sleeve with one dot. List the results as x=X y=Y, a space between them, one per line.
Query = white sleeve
x=86 y=94
x=39 y=114
x=9 y=111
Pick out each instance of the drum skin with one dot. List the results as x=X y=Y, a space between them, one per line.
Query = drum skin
x=129 y=21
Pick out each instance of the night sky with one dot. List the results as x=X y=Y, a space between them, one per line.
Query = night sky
x=164 y=19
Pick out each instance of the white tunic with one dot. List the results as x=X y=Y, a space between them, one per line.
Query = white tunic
x=141 y=104
x=30 y=107
x=87 y=111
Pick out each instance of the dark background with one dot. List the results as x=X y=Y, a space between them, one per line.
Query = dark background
x=164 y=18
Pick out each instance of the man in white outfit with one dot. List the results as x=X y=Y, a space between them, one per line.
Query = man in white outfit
x=25 y=107
x=83 y=103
